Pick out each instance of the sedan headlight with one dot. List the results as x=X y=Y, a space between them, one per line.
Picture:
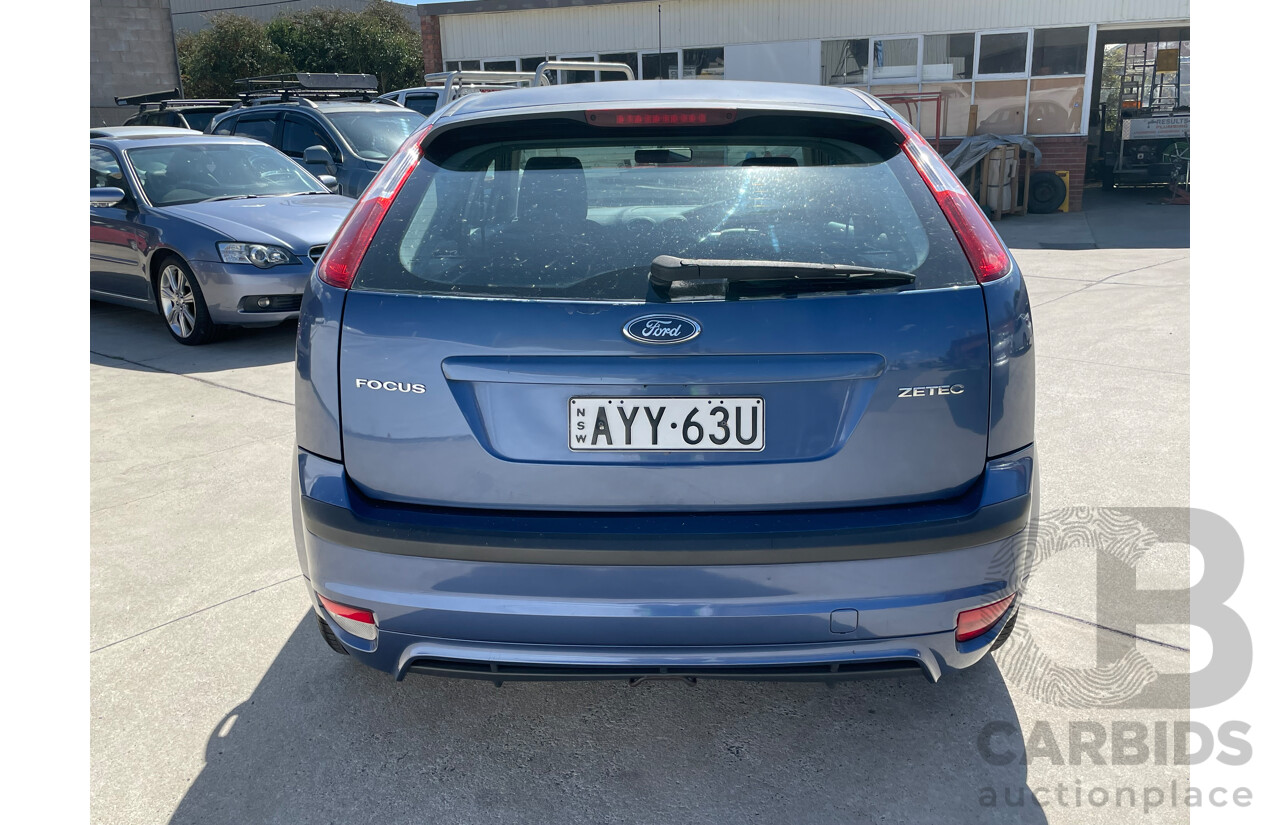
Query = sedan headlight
x=258 y=254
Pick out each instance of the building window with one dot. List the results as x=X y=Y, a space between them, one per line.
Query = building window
x=499 y=65
x=948 y=56
x=844 y=62
x=462 y=65
x=1060 y=51
x=895 y=60
x=629 y=58
x=577 y=77
x=664 y=66
x=1056 y=106
x=1002 y=106
x=955 y=109
x=704 y=64
x=1003 y=53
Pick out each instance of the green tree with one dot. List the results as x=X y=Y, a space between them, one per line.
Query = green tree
x=234 y=46
x=377 y=40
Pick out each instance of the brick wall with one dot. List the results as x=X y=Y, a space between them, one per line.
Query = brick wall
x=130 y=52
x=1067 y=153
x=432 y=56
x=1056 y=153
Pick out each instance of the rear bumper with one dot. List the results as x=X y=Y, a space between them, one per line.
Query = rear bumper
x=503 y=596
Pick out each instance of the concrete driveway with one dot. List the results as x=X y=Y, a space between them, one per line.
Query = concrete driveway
x=215 y=700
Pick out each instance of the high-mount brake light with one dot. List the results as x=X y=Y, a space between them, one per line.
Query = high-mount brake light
x=337 y=266
x=982 y=246
x=970 y=624
x=661 y=117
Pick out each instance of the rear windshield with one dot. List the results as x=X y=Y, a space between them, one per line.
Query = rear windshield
x=376 y=135
x=579 y=213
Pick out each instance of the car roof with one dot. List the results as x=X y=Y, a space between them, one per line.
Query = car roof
x=662 y=93
x=321 y=105
x=184 y=137
x=138 y=131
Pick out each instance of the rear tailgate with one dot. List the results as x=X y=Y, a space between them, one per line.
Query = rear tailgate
x=486 y=328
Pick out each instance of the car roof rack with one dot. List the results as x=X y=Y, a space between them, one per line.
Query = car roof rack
x=579 y=66
x=147 y=97
x=307 y=86
x=184 y=103
x=476 y=80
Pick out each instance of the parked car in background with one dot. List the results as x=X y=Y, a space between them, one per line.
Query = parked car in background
x=665 y=379
x=318 y=126
x=207 y=231
x=168 y=109
x=138 y=131
x=442 y=88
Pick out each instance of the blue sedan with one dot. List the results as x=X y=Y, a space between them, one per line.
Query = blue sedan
x=207 y=231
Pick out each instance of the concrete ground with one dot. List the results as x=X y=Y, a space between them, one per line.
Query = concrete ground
x=214 y=699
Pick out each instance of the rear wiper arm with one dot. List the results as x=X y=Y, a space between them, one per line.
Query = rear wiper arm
x=668 y=269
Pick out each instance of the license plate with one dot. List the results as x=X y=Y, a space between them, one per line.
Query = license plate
x=666 y=424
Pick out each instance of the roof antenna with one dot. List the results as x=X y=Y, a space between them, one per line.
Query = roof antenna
x=659 y=41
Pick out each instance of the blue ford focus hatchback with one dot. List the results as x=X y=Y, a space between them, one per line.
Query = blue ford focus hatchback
x=665 y=379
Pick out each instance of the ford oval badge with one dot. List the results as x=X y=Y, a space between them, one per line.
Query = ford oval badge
x=661 y=329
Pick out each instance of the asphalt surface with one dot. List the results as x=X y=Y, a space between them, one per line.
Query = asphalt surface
x=214 y=699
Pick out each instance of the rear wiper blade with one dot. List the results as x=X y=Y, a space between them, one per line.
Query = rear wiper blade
x=668 y=269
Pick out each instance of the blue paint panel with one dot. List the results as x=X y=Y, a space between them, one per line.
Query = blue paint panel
x=1013 y=364
x=496 y=433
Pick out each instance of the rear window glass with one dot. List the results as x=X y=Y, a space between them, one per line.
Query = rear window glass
x=424 y=103
x=582 y=213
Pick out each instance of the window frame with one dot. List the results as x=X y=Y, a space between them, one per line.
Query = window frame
x=678 y=52
x=274 y=117
x=1026 y=58
x=683 y=49
x=1087 y=76
x=872 y=80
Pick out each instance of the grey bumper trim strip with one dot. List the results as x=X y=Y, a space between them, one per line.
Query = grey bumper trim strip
x=487 y=541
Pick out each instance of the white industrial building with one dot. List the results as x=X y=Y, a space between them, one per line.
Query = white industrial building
x=1028 y=66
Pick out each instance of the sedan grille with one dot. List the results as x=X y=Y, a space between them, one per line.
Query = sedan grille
x=315 y=252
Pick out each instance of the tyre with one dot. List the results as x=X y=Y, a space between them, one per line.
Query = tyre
x=1005 y=632
x=1048 y=191
x=181 y=304
x=331 y=638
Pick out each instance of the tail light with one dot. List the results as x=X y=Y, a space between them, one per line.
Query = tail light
x=982 y=246
x=354 y=620
x=971 y=624
x=338 y=265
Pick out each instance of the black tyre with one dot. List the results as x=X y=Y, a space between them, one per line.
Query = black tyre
x=1048 y=191
x=330 y=637
x=1005 y=632
x=181 y=304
